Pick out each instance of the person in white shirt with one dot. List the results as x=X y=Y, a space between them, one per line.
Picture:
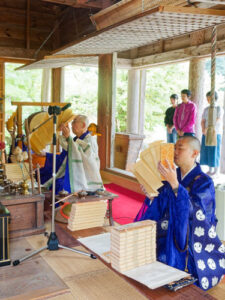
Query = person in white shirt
x=210 y=155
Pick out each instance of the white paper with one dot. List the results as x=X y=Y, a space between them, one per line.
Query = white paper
x=155 y=274
x=99 y=244
x=152 y=275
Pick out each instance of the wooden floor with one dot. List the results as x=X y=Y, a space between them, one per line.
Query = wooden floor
x=83 y=277
x=80 y=277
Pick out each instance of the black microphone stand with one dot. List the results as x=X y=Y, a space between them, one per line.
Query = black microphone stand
x=53 y=243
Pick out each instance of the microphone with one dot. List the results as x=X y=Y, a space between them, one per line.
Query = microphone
x=66 y=106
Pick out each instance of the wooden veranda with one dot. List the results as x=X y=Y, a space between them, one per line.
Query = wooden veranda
x=133 y=34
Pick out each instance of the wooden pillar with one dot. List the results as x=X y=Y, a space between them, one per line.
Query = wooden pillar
x=45 y=85
x=222 y=159
x=19 y=124
x=62 y=88
x=2 y=101
x=133 y=101
x=106 y=108
x=57 y=81
x=141 y=121
x=136 y=101
x=196 y=85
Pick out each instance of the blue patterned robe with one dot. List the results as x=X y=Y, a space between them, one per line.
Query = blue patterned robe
x=189 y=215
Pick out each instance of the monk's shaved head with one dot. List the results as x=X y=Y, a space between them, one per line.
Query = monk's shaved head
x=192 y=141
x=186 y=151
x=82 y=118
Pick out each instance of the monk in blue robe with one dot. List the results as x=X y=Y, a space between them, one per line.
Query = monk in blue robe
x=185 y=214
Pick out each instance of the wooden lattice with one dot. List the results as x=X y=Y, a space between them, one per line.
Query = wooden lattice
x=143 y=31
x=159 y=24
x=61 y=62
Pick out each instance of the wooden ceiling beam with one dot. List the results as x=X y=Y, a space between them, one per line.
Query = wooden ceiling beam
x=15 y=60
x=192 y=10
x=20 y=53
x=214 y=2
x=100 y=4
x=178 y=55
x=127 y=9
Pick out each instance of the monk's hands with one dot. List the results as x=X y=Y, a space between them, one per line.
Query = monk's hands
x=169 y=173
x=145 y=192
x=65 y=130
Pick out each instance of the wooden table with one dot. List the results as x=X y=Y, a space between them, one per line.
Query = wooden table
x=191 y=292
x=75 y=199
x=26 y=214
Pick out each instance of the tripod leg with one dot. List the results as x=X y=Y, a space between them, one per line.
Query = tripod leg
x=78 y=251
x=18 y=261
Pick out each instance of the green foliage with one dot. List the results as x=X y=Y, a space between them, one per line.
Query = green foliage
x=121 y=100
x=220 y=66
x=21 y=86
x=81 y=89
x=220 y=72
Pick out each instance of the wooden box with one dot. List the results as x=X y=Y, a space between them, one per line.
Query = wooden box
x=27 y=214
x=4 y=236
x=127 y=147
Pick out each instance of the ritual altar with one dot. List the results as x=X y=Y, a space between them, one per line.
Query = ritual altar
x=26 y=214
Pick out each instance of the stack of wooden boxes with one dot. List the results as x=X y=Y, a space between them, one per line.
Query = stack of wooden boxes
x=87 y=215
x=133 y=245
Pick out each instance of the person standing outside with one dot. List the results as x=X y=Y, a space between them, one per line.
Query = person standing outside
x=168 y=120
x=210 y=155
x=185 y=115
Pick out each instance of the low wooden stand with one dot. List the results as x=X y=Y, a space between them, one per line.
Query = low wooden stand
x=75 y=199
x=26 y=214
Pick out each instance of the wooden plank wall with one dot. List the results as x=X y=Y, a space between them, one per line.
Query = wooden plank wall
x=2 y=101
x=56 y=84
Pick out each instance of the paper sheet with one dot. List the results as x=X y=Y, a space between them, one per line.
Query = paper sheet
x=155 y=274
x=97 y=243
x=152 y=275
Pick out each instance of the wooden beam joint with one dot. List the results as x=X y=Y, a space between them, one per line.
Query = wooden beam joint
x=100 y=4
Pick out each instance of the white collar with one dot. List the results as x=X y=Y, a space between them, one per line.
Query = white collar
x=182 y=178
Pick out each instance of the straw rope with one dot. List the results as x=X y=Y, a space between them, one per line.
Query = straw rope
x=213 y=65
x=211 y=138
